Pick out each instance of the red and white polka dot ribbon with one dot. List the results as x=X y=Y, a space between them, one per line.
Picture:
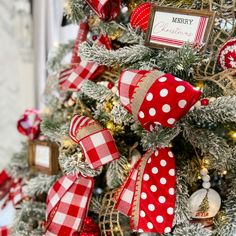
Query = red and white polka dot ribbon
x=148 y=195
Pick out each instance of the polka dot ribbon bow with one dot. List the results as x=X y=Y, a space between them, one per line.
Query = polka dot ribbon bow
x=105 y=9
x=148 y=194
x=69 y=197
x=29 y=123
x=71 y=79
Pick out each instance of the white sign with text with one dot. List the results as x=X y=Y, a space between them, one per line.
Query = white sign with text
x=174 y=29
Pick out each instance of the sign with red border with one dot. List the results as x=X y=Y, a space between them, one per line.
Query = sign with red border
x=173 y=27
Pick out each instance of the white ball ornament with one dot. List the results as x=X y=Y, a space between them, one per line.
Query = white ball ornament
x=204 y=203
x=206 y=178
x=206 y=185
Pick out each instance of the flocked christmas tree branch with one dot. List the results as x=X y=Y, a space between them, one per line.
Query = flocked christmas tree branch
x=209 y=143
x=40 y=184
x=29 y=219
x=222 y=110
x=122 y=56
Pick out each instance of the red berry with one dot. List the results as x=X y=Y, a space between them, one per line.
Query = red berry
x=110 y=85
x=204 y=102
x=94 y=37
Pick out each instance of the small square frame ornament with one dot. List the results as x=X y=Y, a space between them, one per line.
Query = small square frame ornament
x=173 y=27
x=43 y=157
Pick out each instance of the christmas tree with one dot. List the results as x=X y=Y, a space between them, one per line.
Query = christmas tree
x=142 y=126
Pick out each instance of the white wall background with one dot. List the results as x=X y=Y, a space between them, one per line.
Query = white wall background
x=16 y=76
x=22 y=70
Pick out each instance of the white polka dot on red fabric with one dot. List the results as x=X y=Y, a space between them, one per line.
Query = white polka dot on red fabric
x=142 y=214
x=150 y=225
x=167 y=230
x=170 y=210
x=170 y=154
x=163 y=180
x=151 y=207
x=171 y=191
x=151 y=127
x=140 y=230
x=154 y=170
x=178 y=79
x=171 y=172
x=171 y=121
x=149 y=160
x=156 y=153
x=163 y=163
x=163 y=93
x=141 y=114
x=143 y=195
x=153 y=188
x=146 y=177
x=152 y=111
x=159 y=219
x=161 y=199
x=180 y=89
x=162 y=79
x=149 y=97
x=182 y=103
x=166 y=108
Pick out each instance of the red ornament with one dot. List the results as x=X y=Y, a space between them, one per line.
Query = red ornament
x=89 y=228
x=204 y=102
x=227 y=55
x=94 y=37
x=140 y=16
x=29 y=123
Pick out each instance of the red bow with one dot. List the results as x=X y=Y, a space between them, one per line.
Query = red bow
x=29 y=123
x=97 y=143
x=79 y=71
x=148 y=195
x=69 y=197
x=106 y=9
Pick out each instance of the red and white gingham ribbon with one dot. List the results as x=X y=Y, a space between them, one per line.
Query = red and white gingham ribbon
x=71 y=79
x=81 y=37
x=105 y=9
x=29 y=123
x=67 y=204
x=97 y=143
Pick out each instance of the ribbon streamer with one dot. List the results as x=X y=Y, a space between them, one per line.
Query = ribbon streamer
x=71 y=79
x=148 y=194
x=67 y=204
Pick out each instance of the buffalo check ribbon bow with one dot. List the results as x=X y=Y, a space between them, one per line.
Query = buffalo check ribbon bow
x=69 y=197
x=105 y=9
x=29 y=123
x=80 y=70
x=148 y=194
